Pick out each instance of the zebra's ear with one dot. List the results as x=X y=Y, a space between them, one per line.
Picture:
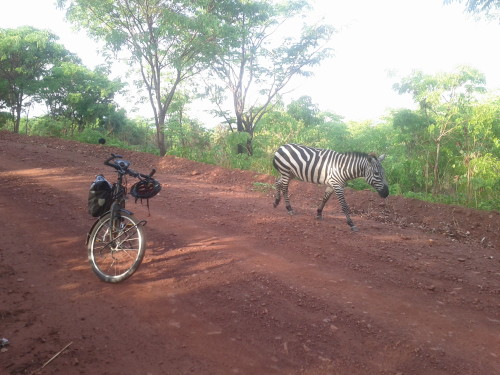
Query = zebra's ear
x=381 y=158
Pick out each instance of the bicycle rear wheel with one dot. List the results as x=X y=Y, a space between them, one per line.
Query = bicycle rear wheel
x=116 y=254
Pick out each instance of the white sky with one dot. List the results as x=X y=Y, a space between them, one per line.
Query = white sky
x=374 y=38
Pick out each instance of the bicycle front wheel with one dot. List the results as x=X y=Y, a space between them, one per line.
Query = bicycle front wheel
x=116 y=253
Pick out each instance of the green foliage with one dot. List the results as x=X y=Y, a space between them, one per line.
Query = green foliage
x=368 y=137
x=139 y=133
x=34 y=68
x=275 y=129
x=448 y=150
x=167 y=42
x=468 y=163
x=5 y=119
x=489 y=9
x=92 y=136
x=253 y=70
x=46 y=126
x=303 y=109
x=439 y=132
x=186 y=137
x=27 y=55
x=82 y=95
x=225 y=146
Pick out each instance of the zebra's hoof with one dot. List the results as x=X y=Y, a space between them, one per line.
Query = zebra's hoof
x=319 y=217
x=291 y=213
x=354 y=228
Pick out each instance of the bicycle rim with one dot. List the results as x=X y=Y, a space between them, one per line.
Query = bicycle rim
x=116 y=255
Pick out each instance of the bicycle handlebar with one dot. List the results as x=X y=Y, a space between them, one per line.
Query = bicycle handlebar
x=122 y=167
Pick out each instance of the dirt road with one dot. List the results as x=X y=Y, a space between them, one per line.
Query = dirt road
x=230 y=285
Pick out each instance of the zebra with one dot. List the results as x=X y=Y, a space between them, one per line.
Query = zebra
x=327 y=167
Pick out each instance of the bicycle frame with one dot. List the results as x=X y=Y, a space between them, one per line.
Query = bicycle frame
x=117 y=207
x=118 y=194
x=118 y=200
x=116 y=243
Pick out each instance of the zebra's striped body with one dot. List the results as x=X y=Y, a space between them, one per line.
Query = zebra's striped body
x=326 y=167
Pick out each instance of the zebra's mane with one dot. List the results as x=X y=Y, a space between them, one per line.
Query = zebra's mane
x=361 y=154
x=349 y=153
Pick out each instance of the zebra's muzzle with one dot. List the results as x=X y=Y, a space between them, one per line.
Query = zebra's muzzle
x=384 y=192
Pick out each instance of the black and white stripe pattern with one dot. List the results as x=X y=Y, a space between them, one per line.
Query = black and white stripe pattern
x=326 y=167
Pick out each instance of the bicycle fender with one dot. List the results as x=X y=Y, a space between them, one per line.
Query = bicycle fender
x=126 y=211
x=121 y=210
x=95 y=223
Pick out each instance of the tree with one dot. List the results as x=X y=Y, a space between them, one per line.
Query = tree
x=168 y=41
x=254 y=67
x=305 y=110
x=479 y=148
x=490 y=9
x=412 y=133
x=26 y=56
x=444 y=101
x=81 y=95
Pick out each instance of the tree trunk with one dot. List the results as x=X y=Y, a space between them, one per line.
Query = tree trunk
x=426 y=173
x=250 y=146
x=436 y=168
x=17 y=119
x=240 y=128
x=160 y=128
x=470 y=172
x=160 y=140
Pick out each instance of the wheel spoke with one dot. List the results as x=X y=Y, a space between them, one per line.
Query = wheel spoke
x=115 y=258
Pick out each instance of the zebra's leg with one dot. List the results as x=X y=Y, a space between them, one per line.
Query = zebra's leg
x=277 y=196
x=339 y=191
x=319 y=211
x=285 y=180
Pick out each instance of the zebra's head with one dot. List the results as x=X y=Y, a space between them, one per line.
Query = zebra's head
x=375 y=175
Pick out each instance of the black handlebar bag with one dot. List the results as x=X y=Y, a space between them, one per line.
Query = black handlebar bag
x=100 y=197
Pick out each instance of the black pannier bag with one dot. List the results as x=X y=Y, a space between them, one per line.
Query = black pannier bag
x=99 y=196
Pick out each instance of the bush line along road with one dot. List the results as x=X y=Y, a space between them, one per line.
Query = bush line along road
x=230 y=285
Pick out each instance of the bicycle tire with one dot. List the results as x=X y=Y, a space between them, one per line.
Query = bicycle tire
x=115 y=258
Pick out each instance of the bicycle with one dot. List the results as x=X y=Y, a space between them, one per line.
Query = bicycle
x=116 y=242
